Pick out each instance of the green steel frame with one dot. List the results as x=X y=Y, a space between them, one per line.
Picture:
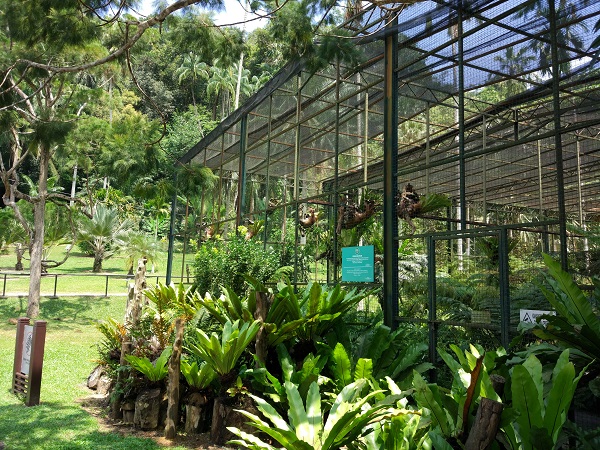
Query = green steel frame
x=336 y=132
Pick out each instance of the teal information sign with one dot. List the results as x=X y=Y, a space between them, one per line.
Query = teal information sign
x=358 y=263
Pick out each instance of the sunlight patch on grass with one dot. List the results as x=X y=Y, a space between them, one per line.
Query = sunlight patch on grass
x=59 y=422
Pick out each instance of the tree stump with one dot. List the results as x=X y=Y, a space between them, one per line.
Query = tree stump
x=132 y=315
x=128 y=408
x=263 y=303
x=195 y=410
x=485 y=427
x=173 y=388
x=135 y=297
x=147 y=409
x=224 y=415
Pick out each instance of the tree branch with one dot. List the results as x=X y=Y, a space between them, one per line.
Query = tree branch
x=141 y=29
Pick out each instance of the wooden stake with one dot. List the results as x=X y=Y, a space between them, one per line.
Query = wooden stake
x=173 y=387
x=263 y=303
x=485 y=427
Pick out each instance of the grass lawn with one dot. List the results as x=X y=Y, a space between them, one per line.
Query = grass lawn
x=59 y=422
x=75 y=275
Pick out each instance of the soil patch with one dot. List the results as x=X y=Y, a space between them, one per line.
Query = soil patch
x=96 y=406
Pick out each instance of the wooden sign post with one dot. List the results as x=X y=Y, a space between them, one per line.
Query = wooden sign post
x=29 y=359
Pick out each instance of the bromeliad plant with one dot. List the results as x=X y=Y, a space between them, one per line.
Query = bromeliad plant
x=450 y=410
x=304 y=316
x=576 y=324
x=539 y=410
x=198 y=377
x=301 y=375
x=391 y=355
x=222 y=352
x=154 y=372
x=310 y=426
x=321 y=307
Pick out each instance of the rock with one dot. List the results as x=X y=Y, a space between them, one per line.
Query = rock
x=224 y=415
x=95 y=401
x=128 y=408
x=92 y=381
x=104 y=385
x=196 y=410
x=147 y=409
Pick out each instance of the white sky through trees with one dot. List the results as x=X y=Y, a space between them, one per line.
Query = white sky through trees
x=233 y=13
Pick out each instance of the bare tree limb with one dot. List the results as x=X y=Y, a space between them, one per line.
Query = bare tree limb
x=142 y=27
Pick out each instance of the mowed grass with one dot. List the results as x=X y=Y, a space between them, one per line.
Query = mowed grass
x=75 y=276
x=59 y=422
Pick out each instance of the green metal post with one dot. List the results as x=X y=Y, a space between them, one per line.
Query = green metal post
x=461 y=119
x=241 y=206
x=172 y=232
x=560 y=180
x=504 y=288
x=431 y=300
x=297 y=172
x=336 y=161
x=390 y=180
x=268 y=187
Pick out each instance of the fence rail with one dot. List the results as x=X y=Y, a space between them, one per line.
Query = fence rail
x=66 y=285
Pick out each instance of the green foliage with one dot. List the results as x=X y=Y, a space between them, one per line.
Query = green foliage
x=135 y=245
x=186 y=129
x=220 y=263
x=310 y=424
x=162 y=311
x=103 y=232
x=153 y=371
x=222 y=352
x=401 y=432
x=10 y=230
x=451 y=410
x=318 y=309
x=393 y=354
x=539 y=410
x=302 y=374
x=173 y=302
x=109 y=348
x=433 y=202
x=576 y=324
x=197 y=376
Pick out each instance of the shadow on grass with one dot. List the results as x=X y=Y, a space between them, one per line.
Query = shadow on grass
x=54 y=426
x=61 y=313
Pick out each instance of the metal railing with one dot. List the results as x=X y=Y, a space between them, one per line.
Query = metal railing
x=17 y=284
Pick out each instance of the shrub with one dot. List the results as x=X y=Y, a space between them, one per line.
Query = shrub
x=220 y=263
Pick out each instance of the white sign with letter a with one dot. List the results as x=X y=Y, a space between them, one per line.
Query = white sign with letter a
x=530 y=315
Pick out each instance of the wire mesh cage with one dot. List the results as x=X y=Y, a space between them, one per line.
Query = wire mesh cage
x=495 y=115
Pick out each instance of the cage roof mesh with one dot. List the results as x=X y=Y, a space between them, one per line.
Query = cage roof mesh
x=508 y=114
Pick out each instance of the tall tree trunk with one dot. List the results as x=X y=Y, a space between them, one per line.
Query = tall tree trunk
x=37 y=243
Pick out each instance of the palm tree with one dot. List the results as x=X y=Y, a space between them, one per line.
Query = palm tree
x=221 y=84
x=513 y=64
x=193 y=181
x=104 y=232
x=192 y=68
x=567 y=36
x=135 y=244
x=156 y=194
